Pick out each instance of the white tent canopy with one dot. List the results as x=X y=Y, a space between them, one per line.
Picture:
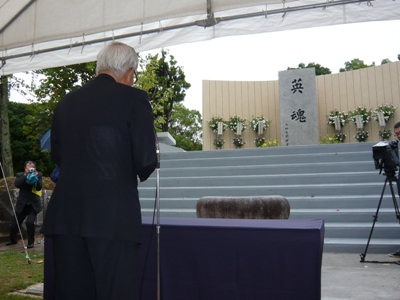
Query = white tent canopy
x=37 y=34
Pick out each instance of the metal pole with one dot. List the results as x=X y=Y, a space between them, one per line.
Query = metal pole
x=158 y=219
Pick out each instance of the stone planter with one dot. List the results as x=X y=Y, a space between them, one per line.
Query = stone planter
x=8 y=211
x=246 y=207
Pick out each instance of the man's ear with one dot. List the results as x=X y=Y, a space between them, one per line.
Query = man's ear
x=128 y=77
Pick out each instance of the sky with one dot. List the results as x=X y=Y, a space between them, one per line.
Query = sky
x=260 y=57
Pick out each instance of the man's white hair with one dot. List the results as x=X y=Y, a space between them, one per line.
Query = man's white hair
x=118 y=58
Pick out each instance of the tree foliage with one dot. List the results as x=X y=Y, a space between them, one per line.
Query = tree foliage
x=21 y=147
x=186 y=128
x=6 y=153
x=319 y=70
x=49 y=86
x=355 y=64
x=165 y=83
x=28 y=122
x=385 y=61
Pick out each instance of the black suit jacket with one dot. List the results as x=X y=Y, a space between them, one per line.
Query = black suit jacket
x=25 y=193
x=102 y=138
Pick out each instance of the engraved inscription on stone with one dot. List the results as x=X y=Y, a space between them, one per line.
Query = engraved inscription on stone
x=298 y=107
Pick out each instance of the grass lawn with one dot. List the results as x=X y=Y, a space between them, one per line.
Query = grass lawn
x=16 y=274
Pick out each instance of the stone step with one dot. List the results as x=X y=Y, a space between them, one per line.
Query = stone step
x=337 y=202
x=268 y=179
x=356 y=201
x=263 y=160
x=286 y=190
x=329 y=215
x=170 y=213
x=338 y=183
x=358 y=245
x=353 y=230
x=291 y=150
x=288 y=169
x=345 y=215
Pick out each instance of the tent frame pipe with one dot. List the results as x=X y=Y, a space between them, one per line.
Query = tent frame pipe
x=16 y=16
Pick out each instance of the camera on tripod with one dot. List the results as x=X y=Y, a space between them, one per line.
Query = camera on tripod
x=386 y=157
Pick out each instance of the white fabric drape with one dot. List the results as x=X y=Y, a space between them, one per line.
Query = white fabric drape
x=52 y=33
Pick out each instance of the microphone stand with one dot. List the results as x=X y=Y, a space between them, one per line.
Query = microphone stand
x=158 y=218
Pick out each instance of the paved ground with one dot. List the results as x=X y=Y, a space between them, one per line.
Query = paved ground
x=343 y=276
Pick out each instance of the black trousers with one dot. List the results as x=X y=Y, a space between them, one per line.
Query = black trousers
x=95 y=269
x=29 y=212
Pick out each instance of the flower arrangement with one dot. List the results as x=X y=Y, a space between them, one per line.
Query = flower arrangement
x=213 y=123
x=238 y=142
x=363 y=112
x=336 y=138
x=339 y=137
x=259 y=141
x=328 y=139
x=270 y=143
x=343 y=118
x=233 y=122
x=388 y=111
x=361 y=135
x=254 y=123
x=385 y=134
x=218 y=142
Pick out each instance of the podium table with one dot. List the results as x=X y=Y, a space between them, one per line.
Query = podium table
x=233 y=259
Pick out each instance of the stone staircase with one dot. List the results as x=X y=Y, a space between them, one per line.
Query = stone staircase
x=338 y=183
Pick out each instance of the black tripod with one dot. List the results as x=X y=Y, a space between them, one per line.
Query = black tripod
x=389 y=179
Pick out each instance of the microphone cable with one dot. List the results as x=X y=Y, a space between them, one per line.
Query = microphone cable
x=148 y=249
x=153 y=218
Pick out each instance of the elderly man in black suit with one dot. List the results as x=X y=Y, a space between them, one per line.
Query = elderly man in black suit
x=28 y=203
x=103 y=140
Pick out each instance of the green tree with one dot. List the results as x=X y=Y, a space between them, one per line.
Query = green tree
x=6 y=153
x=385 y=61
x=186 y=127
x=21 y=147
x=319 y=70
x=165 y=83
x=355 y=64
x=49 y=86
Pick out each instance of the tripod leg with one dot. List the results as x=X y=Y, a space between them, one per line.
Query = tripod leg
x=396 y=206
x=363 y=255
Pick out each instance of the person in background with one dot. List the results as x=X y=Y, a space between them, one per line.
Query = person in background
x=103 y=138
x=28 y=203
x=396 y=254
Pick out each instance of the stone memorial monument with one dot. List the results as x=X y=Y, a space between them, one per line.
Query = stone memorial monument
x=299 y=109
